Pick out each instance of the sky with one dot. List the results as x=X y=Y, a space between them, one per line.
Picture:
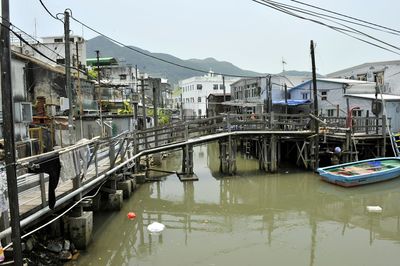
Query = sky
x=242 y=32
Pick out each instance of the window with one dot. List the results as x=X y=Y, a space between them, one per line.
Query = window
x=362 y=77
x=199 y=112
x=221 y=86
x=199 y=86
x=60 y=61
x=215 y=87
x=357 y=113
x=58 y=40
x=331 y=112
x=122 y=77
x=192 y=99
x=324 y=95
x=199 y=99
x=305 y=96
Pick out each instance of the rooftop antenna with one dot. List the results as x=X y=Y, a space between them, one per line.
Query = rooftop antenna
x=283 y=65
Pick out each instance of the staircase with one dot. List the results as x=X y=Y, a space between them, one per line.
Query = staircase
x=396 y=142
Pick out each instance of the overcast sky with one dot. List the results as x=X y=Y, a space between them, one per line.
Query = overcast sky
x=242 y=32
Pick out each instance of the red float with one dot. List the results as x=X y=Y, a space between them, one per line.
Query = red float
x=131 y=215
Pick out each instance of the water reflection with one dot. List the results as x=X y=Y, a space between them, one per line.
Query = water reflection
x=250 y=219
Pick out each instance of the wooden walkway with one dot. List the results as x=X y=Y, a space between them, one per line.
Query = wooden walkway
x=111 y=156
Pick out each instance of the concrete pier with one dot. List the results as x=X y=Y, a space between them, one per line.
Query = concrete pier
x=126 y=187
x=80 y=229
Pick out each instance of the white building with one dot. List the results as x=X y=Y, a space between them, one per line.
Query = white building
x=249 y=95
x=53 y=47
x=386 y=74
x=195 y=91
x=337 y=96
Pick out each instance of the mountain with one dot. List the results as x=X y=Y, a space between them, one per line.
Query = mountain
x=157 y=68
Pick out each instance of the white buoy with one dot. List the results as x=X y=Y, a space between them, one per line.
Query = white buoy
x=377 y=209
x=155 y=227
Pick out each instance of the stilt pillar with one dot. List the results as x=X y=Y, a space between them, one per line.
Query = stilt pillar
x=187 y=160
x=227 y=155
x=274 y=154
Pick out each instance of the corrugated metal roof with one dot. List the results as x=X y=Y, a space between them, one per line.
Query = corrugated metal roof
x=371 y=96
x=103 y=61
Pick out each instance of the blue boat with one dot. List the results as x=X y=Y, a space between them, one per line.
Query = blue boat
x=361 y=172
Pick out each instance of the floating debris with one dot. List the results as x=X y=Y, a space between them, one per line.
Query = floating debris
x=376 y=209
x=155 y=227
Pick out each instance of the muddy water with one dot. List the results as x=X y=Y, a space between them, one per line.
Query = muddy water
x=253 y=218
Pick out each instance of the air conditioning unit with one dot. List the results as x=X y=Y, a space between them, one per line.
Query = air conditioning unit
x=23 y=112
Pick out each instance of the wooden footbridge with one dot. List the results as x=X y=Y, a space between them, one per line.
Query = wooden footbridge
x=115 y=162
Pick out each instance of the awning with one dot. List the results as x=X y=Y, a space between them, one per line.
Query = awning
x=291 y=102
x=371 y=96
x=260 y=103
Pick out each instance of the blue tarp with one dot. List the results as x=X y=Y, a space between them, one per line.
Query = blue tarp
x=291 y=102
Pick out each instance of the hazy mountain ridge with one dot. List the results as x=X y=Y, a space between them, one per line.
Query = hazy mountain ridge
x=159 y=69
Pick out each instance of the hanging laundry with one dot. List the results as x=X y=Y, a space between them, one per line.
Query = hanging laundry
x=3 y=190
x=74 y=163
x=51 y=166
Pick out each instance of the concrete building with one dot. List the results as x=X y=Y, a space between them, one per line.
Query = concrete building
x=386 y=74
x=252 y=95
x=195 y=91
x=337 y=97
x=54 y=48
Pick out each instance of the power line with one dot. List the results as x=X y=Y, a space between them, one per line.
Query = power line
x=346 y=16
x=311 y=13
x=38 y=51
x=33 y=38
x=338 y=29
x=158 y=58
x=146 y=54
x=322 y=15
x=44 y=6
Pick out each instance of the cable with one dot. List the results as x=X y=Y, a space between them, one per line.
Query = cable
x=158 y=58
x=59 y=216
x=47 y=10
x=321 y=16
x=39 y=52
x=337 y=18
x=33 y=38
x=338 y=29
x=346 y=16
x=145 y=54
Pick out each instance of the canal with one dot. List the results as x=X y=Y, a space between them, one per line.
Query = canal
x=253 y=218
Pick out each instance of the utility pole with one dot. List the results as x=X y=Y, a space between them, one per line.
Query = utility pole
x=156 y=90
x=8 y=132
x=135 y=104
x=99 y=94
x=315 y=95
x=143 y=103
x=68 y=78
x=223 y=87
x=181 y=107
x=286 y=99
x=269 y=94
x=79 y=89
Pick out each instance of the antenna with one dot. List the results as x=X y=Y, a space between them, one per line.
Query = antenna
x=283 y=65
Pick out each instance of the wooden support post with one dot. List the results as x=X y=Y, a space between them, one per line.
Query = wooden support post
x=273 y=150
x=187 y=160
x=264 y=154
x=384 y=135
x=135 y=151
x=347 y=147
